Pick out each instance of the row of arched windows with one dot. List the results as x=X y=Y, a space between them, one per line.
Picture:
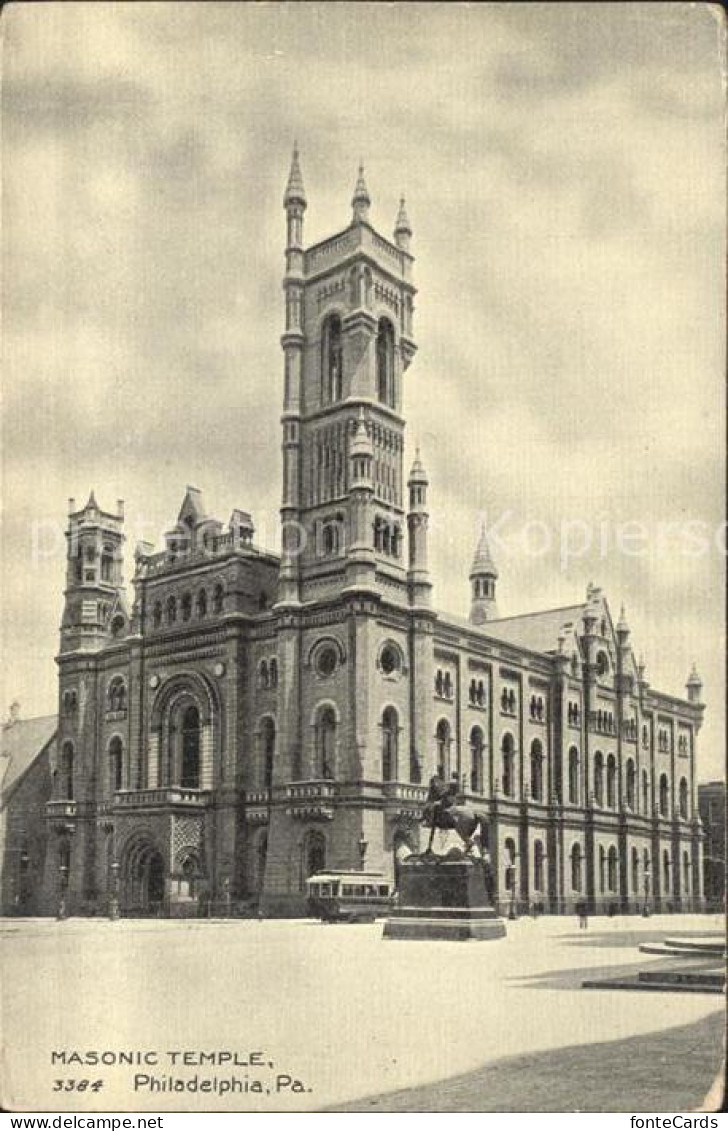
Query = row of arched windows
x=537 y=708
x=508 y=701
x=70 y=702
x=268 y=674
x=663 y=741
x=476 y=693
x=387 y=537
x=172 y=610
x=443 y=684
x=603 y=721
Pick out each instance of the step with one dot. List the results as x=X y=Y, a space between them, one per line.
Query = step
x=635 y=983
x=703 y=945
x=684 y=977
x=680 y=951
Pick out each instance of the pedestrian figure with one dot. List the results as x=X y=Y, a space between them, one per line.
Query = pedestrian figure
x=583 y=915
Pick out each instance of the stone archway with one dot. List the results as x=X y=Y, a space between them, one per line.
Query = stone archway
x=143 y=879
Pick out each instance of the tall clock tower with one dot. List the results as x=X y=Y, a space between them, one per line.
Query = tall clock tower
x=347 y=343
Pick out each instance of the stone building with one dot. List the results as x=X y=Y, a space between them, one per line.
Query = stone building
x=711 y=807
x=247 y=719
x=27 y=755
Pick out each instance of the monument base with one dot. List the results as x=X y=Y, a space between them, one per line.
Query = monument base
x=443 y=897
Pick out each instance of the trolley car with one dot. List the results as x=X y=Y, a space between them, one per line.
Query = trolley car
x=349 y=897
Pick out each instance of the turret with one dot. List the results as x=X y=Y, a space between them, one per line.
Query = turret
x=694 y=687
x=483 y=576
x=360 y=201
x=360 y=564
x=292 y=341
x=402 y=228
x=94 y=594
x=418 y=573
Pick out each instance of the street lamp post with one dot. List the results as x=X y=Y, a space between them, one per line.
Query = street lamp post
x=228 y=897
x=646 y=908
x=114 y=896
x=63 y=877
x=512 y=912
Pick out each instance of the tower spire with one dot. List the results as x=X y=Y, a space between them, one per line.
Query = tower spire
x=295 y=192
x=483 y=576
x=361 y=200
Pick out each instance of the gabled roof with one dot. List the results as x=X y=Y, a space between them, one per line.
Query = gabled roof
x=193 y=507
x=20 y=744
x=537 y=631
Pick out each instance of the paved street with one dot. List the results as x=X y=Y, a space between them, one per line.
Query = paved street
x=337 y=1007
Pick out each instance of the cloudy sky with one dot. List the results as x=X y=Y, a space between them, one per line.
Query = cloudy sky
x=564 y=172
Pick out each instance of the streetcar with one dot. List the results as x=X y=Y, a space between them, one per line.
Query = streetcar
x=349 y=897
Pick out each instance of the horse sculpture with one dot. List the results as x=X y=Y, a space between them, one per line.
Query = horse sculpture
x=441 y=811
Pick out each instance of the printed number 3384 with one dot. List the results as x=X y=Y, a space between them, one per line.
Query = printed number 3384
x=78 y=1085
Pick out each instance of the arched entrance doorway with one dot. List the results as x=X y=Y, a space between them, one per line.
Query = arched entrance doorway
x=143 y=879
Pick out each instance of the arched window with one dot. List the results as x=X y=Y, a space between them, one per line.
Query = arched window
x=268 y=737
x=631 y=783
x=390 y=737
x=666 y=864
x=171 y=610
x=602 y=867
x=536 y=770
x=217 y=599
x=186 y=606
x=202 y=603
x=635 y=870
x=664 y=796
x=573 y=776
x=331 y=360
x=442 y=738
x=116 y=765
x=612 y=868
x=538 y=859
x=476 y=760
x=385 y=362
x=683 y=799
x=263 y=676
x=599 y=778
x=507 y=751
x=117 y=694
x=273 y=672
x=117 y=626
x=645 y=793
x=576 y=867
x=326 y=743
x=611 y=782
x=107 y=564
x=67 y=760
x=190 y=767
x=686 y=873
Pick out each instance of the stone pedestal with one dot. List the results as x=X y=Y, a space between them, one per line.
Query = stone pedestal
x=443 y=898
